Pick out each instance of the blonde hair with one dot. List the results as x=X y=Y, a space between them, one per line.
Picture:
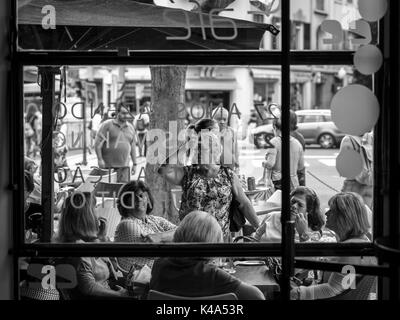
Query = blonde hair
x=199 y=226
x=78 y=220
x=348 y=215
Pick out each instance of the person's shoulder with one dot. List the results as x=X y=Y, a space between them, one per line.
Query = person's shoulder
x=296 y=142
x=347 y=140
x=126 y=223
x=131 y=126
x=222 y=277
x=106 y=123
x=156 y=218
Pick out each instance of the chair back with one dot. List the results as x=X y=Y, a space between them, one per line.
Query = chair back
x=112 y=189
x=157 y=295
x=108 y=209
x=95 y=177
x=28 y=293
x=364 y=287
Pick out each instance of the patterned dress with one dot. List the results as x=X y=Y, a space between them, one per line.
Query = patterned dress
x=209 y=194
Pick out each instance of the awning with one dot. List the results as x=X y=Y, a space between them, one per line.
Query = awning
x=111 y=24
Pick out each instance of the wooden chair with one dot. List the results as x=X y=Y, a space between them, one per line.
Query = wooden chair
x=157 y=295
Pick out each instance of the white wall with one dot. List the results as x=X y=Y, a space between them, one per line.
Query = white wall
x=5 y=196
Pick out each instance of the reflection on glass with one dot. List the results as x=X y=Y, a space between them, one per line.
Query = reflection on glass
x=346 y=284
x=329 y=25
x=96 y=99
x=173 y=278
x=144 y=25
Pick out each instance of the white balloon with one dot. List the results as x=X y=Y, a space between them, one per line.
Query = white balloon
x=368 y=59
x=349 y=163
x=355 y=110
x=372 y=10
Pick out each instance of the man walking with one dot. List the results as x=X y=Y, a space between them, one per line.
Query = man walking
x=115 y=142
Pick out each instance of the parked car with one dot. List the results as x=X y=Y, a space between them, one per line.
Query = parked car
x=316 y=126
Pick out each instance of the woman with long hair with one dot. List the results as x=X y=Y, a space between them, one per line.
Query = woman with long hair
x=347 y=218
x=79 y=224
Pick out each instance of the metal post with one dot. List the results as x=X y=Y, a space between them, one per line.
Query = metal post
x=287 y=225
x=47 y=75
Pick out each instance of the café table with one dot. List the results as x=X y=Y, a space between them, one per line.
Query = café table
x=257 y=275
x=262 y=193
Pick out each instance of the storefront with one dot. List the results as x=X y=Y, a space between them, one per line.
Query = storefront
x=210 y=54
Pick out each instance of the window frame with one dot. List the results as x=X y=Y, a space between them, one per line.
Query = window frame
x=284 y=58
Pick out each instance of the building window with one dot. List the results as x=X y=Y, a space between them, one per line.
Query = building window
x=307 y=36
x=295 y=43
x=320 y=5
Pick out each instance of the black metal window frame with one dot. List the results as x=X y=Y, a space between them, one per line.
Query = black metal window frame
x=285 y=58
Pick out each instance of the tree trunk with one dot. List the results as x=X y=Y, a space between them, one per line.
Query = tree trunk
x=168 y=92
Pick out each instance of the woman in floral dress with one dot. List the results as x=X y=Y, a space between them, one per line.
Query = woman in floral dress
x=206 y=185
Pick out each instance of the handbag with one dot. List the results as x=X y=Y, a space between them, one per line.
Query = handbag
x=236 y=217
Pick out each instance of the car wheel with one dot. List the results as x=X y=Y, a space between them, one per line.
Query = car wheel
x=326 y=141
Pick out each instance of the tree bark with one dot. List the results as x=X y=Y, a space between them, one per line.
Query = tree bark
x=168 y=93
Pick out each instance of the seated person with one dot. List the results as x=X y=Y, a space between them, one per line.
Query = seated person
x=79 y=224
x=35 y=197
x=137 y=224
x=306 y=211
x=193 y=277
x=31 y=232
x=347 y=217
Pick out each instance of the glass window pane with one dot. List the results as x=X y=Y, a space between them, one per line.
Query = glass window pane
x=102 y=278
x=96 y=144
x=331 y=160
x=329 y=25
x=145 y=25
x=349 y=284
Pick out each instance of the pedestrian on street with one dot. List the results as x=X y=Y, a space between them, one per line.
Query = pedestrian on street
x=363 y=183
x=230 y=152
x=115 y=142
x=141 y=124
x=273 y=165
x=300 y=138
